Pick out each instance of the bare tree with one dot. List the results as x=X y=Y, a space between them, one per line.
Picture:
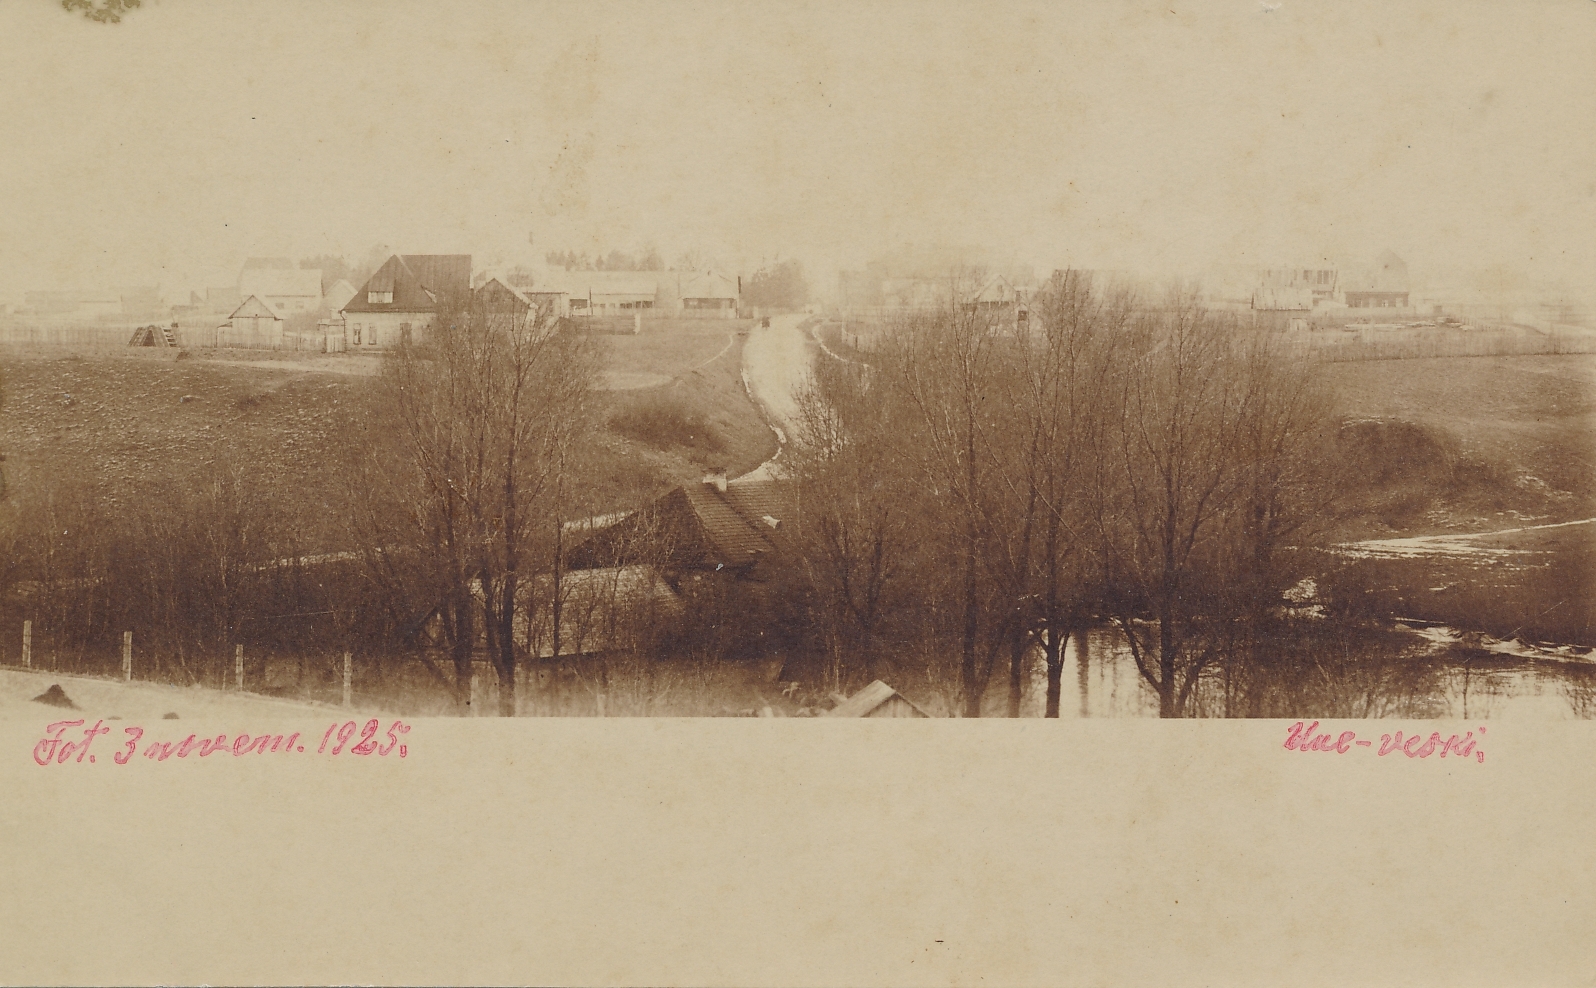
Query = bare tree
x=1066 y=351
x=854 y=519
x=1210 y=474
x=491 y=403
x=947 y=369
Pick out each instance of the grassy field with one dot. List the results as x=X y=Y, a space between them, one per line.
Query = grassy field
x=116 y=422
x=1476 y=445
x=667 y=347
x=1515 y=434
x=672 y=432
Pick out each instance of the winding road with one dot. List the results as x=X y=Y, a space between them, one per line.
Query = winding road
x=776 y=362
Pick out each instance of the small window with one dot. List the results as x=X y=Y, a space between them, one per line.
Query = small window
x=379 y=298
x=357 y=332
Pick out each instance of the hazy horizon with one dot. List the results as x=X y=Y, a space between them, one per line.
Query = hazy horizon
x=166 y=149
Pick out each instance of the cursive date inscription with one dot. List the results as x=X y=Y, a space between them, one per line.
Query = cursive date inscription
x=61 y=743
x=1304 y=737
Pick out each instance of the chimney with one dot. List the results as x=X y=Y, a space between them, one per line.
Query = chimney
x=716 y=477
x=772 y=522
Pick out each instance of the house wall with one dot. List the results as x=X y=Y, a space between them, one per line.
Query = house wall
x=251 y=332
x=895 y=706
x=707 y=308
x=380 y=330
x=1377 y=300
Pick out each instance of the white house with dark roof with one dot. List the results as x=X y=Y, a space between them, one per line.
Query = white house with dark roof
x=401 y=298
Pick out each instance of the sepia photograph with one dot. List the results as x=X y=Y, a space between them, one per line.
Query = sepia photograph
x=534 y=394
x=395 y=368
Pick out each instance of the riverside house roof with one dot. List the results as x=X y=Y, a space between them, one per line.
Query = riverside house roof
x=712 y=525
x=413 y=283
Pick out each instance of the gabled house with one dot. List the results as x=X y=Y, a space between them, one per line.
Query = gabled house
x=402 y=297
x=877 y=700
x=339 y=294
x=1278 y=307
x=999 y=299
x=708 y=294
x=253 y=324
x=1384 y=285
x=729 y=528
x=495 y=297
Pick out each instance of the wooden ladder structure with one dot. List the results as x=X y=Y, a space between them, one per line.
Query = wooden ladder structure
x=154 y=336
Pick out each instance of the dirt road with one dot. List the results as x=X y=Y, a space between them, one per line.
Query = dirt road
x=776 y=361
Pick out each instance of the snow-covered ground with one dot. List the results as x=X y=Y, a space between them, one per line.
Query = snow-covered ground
x=1441 y=635
x=139 y=701
x=1456 y=546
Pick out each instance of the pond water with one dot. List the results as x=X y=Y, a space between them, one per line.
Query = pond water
x=1100 y=679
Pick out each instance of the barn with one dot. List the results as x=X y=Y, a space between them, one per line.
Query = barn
x=252 y=325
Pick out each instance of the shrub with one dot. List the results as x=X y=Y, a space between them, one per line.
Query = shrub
x=663 y=421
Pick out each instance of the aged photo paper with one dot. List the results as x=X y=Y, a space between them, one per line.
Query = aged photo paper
x=473 y=475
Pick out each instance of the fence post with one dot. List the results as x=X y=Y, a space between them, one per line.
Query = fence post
x=238 y=667
x=127 y=656
x=346 y=679
x=27 y=644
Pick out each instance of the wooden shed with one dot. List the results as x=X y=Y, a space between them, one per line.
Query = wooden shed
x=252 y=325
x=877 y=700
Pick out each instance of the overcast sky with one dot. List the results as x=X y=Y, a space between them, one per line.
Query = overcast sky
x=167 y=148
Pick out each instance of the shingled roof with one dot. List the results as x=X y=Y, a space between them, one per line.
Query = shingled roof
x=696 y=526
x=416 y=281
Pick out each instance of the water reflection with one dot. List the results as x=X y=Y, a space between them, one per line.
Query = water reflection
x=1409 y=680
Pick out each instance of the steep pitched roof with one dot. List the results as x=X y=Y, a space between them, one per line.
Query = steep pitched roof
x=862 y=703
x=696 y=525
x=996 y=289
x=253 y=306
x=416 y=281
x=339 y=294
x=733 y=534
x=496 y=292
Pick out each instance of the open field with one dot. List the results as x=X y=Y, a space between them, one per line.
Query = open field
x=1518 y=434
x=671 y=432
x=664 y=349
x=115 y=422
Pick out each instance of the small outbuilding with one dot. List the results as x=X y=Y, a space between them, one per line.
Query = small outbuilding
x=252 y=325
x=877 y=700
